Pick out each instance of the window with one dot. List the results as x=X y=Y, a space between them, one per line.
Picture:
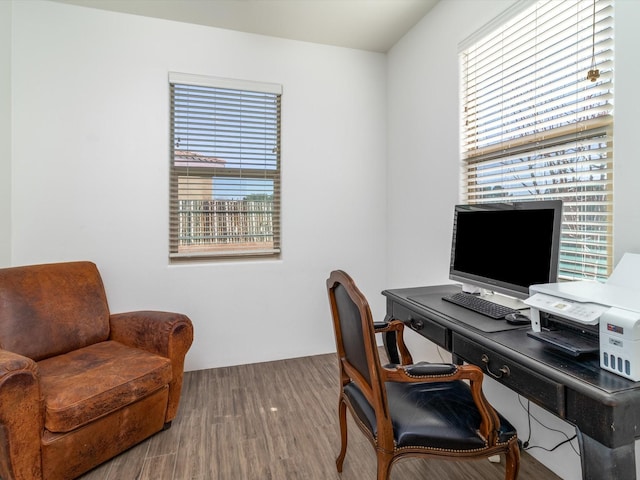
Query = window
x=533 y=126
x=225 y=168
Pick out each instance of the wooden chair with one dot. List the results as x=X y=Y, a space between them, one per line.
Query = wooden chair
x=410 y=410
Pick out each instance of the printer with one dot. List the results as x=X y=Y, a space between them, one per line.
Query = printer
x=591 y=317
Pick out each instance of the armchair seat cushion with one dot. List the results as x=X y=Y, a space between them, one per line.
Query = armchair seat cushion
x=439 y=415
x=91 y=382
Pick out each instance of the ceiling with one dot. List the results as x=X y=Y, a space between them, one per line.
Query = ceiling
x=374 y=25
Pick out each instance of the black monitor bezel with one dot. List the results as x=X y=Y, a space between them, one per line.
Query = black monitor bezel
x=497 y=285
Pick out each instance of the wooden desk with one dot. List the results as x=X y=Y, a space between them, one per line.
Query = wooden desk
x=603 y=407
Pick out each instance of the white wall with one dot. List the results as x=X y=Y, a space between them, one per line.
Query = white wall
x=5 y=133
x=90 y=172
x=627 y=106
x=423 y=170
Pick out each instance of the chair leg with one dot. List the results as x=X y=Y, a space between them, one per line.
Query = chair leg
x=384 y=465
x=342 y=416
x=512 y=462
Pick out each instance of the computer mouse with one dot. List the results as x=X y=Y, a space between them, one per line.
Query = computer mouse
x=517 y=319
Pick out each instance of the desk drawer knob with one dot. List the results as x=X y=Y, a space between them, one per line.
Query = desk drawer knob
x=502 y=371
x=416 y=323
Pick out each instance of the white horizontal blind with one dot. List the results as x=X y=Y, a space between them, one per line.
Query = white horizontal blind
x=225 y=167
x=535 y=127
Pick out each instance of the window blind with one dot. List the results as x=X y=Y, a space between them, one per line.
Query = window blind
x=225 y=167
x=535 y=127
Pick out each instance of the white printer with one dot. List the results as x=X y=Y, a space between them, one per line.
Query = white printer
x=614 y=306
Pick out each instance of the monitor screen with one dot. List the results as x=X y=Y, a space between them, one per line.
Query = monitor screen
x=506 y=247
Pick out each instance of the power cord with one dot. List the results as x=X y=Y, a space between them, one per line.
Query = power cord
x=527 y=446
x=440 y=355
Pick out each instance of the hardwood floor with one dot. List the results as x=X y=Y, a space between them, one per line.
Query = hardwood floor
x=274 y=421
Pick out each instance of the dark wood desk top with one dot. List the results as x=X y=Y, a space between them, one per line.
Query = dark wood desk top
x=583 y=374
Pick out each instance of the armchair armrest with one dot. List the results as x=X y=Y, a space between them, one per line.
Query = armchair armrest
x=166 y=334
x=398 y=327
x=426 y=369
x=21 y=417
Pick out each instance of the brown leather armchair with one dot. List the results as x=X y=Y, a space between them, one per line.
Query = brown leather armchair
x=79 y=385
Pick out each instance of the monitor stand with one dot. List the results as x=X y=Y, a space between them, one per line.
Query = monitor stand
x=504 y=300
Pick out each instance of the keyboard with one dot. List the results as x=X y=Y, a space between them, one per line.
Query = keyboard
x=479 y=305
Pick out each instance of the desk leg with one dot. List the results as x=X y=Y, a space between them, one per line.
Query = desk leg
x=600 y=462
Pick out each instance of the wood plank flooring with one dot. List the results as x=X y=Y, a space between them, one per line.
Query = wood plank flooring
x=274 y=421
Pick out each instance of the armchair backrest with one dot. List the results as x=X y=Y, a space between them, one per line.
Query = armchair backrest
x=351 y=332
x=356 y=343
x=51 y=309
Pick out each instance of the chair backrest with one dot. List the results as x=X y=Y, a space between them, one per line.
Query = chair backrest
x=51 y=309
x=356 y=343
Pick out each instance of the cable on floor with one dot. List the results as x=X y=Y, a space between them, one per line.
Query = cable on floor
x=526 y=444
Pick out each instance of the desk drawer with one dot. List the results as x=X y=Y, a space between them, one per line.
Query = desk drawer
x=422 y=325
x=541 y=390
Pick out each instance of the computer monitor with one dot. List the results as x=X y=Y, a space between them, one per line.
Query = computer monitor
x=506 y=247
